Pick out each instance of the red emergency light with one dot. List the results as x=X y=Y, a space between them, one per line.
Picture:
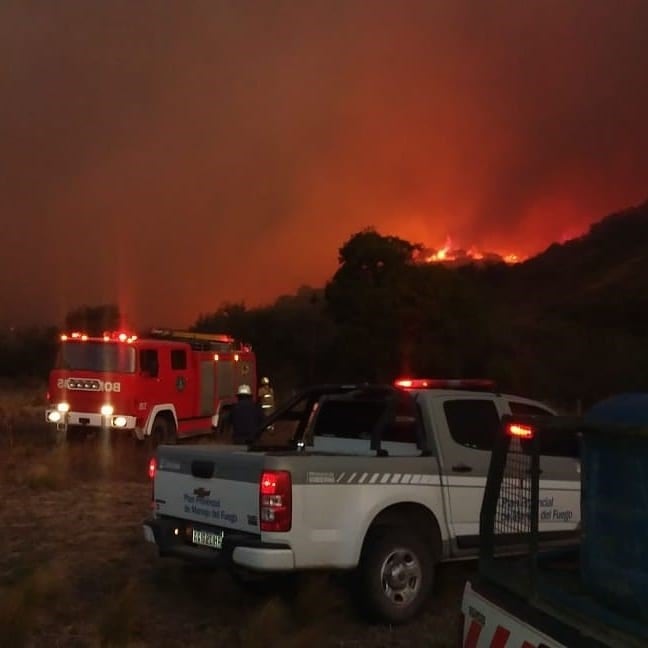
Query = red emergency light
x=76 y=335
x=107 y=336
x=120 y=336
x=519 y=431
x=478 y=384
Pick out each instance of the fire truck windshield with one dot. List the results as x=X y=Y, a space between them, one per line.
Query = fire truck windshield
x=96 y=356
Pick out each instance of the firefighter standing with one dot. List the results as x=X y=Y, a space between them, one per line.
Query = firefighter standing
x=266 y=396
x=246 y=417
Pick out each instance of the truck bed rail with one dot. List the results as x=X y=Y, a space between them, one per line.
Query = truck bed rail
x=547 y=578
x=510 y=510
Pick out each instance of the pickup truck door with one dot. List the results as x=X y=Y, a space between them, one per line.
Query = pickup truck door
x=464 y=428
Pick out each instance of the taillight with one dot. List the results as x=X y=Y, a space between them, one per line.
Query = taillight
x=152 y=468
x=275 y=500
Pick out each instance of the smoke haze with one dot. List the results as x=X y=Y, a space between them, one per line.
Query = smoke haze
x=170 y=156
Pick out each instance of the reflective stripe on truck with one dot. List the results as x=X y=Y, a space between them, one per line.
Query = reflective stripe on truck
x=486 y=625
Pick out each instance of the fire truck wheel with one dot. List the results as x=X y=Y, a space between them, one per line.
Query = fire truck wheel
x=163 y=431
x=223 y=423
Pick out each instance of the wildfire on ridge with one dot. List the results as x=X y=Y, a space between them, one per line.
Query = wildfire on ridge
x=454 y=255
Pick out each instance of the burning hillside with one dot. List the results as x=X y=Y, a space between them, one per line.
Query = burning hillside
x=449 y=254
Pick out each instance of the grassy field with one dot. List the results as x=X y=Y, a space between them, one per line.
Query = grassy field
x=75 y=570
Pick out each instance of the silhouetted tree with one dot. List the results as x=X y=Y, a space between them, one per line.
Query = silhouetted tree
x=370 y=297
x=231 y=318
x=27 y=352
x=94 y=320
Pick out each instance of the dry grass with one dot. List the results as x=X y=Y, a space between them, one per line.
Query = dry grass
x=23 y=601
x=118 y=623
x=267 y=625
x=22 y=412
x=49 y=472
x=37 y=469
x=17 y=398
x=302 y=616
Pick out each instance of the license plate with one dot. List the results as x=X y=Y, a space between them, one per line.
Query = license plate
x=207 y=538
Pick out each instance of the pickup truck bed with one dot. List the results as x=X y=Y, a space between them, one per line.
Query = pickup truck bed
x=562 y=607
x=545 y=599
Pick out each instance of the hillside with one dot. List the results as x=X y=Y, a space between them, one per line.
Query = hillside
x=600 y=278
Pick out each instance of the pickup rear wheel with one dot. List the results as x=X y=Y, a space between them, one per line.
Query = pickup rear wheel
x=397 y=574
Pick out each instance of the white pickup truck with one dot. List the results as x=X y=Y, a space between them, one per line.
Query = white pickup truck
x=387 y=480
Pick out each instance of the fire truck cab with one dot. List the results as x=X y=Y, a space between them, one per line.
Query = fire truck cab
x=165 y=386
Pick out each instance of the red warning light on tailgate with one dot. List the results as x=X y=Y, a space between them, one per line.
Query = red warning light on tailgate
x=519 y=431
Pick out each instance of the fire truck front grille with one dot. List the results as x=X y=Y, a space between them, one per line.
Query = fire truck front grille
x=83 y=384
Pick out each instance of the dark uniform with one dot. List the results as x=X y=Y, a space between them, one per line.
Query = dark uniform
x=246 y=418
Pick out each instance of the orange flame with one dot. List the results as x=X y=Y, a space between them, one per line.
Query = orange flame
x=451 y=254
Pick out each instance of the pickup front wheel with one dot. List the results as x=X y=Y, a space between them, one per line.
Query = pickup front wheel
x=397 y=573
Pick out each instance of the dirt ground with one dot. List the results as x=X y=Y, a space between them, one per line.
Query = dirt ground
x=75 y=569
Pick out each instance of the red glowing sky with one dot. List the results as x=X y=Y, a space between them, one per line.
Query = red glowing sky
x=172 y=156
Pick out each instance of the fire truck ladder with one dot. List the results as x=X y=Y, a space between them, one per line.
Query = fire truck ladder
x=197 y=341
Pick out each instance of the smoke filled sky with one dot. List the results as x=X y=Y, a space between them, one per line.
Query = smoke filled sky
x=171 y=156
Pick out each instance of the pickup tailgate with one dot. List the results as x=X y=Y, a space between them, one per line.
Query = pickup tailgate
x=209 y=485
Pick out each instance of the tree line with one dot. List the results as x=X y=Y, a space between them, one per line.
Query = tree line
x=385 y=314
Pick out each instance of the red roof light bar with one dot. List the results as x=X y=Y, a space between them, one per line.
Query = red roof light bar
x=107 y=336
x=478 y=384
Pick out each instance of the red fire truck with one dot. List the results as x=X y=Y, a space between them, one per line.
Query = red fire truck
x=162 y=387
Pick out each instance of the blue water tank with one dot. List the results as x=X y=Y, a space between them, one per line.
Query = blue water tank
x=614 y=502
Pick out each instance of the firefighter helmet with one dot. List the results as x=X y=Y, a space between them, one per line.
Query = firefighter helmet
x=265 y=380
x=244 y=390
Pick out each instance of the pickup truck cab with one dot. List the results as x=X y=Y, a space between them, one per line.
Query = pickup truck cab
x=387 y=480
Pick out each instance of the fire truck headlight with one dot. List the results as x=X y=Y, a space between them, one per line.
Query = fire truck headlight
x=63 y=407
x=119 y=421
x=54 y=416
x=107 y=410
